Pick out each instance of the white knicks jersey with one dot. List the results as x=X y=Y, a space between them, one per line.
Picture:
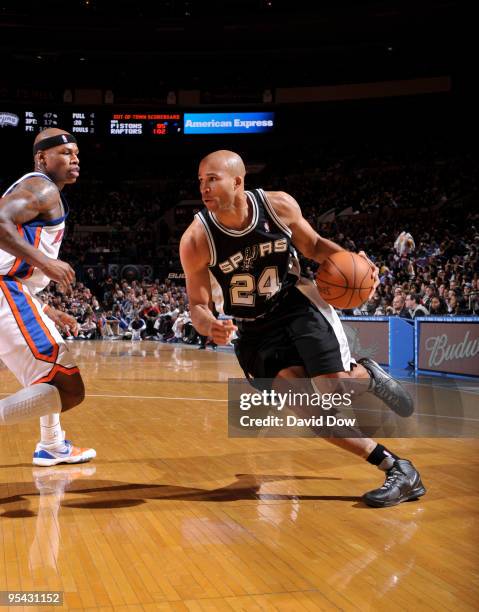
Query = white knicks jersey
x=46 y=236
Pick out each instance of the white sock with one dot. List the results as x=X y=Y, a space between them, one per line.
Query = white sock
x=28 y=403
x=51 y=433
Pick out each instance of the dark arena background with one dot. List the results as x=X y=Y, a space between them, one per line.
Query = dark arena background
x=366 y=113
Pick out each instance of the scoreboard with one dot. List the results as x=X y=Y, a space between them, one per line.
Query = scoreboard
x=81 y=122
x=34 y=121
x=133 y=123
x=141 y=124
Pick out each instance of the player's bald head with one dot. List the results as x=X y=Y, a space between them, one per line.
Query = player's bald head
x=48 y=133
x=229 y=161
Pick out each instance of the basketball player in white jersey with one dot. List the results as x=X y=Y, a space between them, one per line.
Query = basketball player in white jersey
x=241 y=247
x=32 y=223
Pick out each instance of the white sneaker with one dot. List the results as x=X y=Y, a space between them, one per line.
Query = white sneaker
x=65 y=453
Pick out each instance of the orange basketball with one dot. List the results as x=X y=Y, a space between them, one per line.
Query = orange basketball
x=345 y=280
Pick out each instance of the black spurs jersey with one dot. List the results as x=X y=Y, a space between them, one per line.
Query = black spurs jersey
x=250 y=268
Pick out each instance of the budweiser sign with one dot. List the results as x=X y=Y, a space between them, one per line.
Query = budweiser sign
x=449 y=347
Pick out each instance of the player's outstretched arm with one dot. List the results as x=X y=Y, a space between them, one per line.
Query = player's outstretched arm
x=34 y=198
x=194 y=257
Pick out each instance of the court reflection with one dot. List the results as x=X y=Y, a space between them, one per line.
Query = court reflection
x=51 y=483
x=373 y=558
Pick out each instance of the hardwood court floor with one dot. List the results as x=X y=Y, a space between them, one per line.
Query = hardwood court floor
x=174 y=515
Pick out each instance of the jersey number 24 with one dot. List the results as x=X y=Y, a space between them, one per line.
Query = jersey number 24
x=243 y=287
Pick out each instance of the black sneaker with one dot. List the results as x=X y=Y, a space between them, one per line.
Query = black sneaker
x=403 y=483
x=384 y=386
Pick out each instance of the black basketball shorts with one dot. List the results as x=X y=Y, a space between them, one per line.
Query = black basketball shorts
x=297 y=333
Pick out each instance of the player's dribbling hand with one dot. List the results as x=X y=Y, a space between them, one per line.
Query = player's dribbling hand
x=222 y=331
x=374 y=274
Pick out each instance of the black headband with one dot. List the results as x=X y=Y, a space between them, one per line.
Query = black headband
x=53 y=141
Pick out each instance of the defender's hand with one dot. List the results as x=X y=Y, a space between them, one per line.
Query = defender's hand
x=222 y=331
x=59 y=271
x=63 y=320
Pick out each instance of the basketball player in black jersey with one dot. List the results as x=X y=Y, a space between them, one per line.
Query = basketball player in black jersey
x=239 y=251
